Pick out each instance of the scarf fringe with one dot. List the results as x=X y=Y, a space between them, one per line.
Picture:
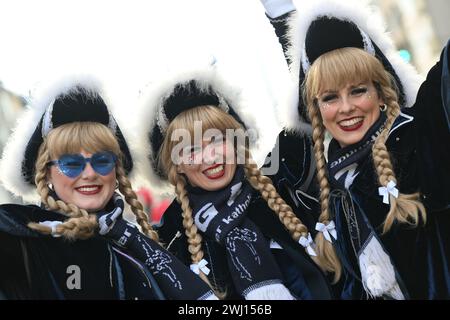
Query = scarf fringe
x=377 y=272
x=270 y=292
x=209 y=296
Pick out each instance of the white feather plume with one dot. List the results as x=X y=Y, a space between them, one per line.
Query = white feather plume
x=11 y=176
x=152 y=100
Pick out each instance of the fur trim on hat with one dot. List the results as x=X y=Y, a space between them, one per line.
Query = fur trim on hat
x=361 y=14
x=12 y=177
x=149 y=115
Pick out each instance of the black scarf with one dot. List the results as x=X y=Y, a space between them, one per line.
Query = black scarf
x=176 y=281
x=344 y=163
x=377 y=273
x=221 y=215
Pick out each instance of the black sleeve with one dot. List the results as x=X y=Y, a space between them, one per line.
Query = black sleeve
x=169 y=224
x=280 y=25
x=171 y=233
x=445 y=85
x=174 y=278
x=431 y=119
x=14 y=282
x=14 y=269
x=432 y=105
x=295 y=177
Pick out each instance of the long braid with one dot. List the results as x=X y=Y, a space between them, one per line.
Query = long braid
x=80 y=225
x=287 y=217
x=136 y=206
x=407 y=208
x=328 y=258
x=41 y=183
x=67 y=138
x=191 y=231
x=335 y=69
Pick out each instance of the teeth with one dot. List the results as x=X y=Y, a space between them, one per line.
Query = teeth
x=347 y=123
x=214 y=170
x=87 y=189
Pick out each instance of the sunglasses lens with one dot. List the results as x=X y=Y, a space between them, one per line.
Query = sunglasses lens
x=71 y=165
x=103 y=162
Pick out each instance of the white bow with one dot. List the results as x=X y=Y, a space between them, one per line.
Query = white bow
x=390 y=188
x=328 y=229
x=52 y=225
x=306 y=243
x=196 y=267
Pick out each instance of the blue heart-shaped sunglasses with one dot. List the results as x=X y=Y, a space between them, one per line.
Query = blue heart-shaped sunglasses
x=72 y=165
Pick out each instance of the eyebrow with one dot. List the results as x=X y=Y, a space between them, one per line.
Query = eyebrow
x=327 y=92
x=353 y=86
x=359 y=85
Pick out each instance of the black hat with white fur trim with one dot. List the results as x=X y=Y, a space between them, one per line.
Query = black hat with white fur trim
x=178 y=92
x=325 y=25
x=70 y=100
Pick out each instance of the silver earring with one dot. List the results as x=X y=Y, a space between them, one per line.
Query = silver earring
x=383 y=108
x=50 y=186
x=117 y=184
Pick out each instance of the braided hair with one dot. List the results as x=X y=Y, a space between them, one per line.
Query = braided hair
x=334 y=70
x=213 y=117
x=71 y=138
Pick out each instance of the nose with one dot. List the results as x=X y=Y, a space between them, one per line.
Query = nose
x=210 y=154
x=88 y=172
x=346 y=106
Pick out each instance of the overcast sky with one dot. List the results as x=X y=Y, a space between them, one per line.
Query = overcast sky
x=128 y=44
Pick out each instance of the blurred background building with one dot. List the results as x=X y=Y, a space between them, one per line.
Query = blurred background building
x=419 y=28
x=11 y=105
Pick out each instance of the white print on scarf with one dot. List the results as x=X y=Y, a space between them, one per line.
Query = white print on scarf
x=159 y=262
x=204 y=216
x=350 y=174
x=357 y=149
x=247 y=237
x=235 y=191
x=209 y=211
x=240 y=209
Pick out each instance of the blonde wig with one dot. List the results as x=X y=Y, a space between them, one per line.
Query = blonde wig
x=213 y=117
x=71 y=138
x=333 y=71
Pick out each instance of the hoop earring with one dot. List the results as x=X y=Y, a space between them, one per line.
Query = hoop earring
x=50 y=186
x=383 y=108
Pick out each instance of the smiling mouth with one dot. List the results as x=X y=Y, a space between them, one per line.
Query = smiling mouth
x=89 y=190
x=215 y=172
x=351 y=124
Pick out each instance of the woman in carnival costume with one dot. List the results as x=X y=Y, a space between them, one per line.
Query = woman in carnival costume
x=228 y=221
x=384 y=183
x=69 y=153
